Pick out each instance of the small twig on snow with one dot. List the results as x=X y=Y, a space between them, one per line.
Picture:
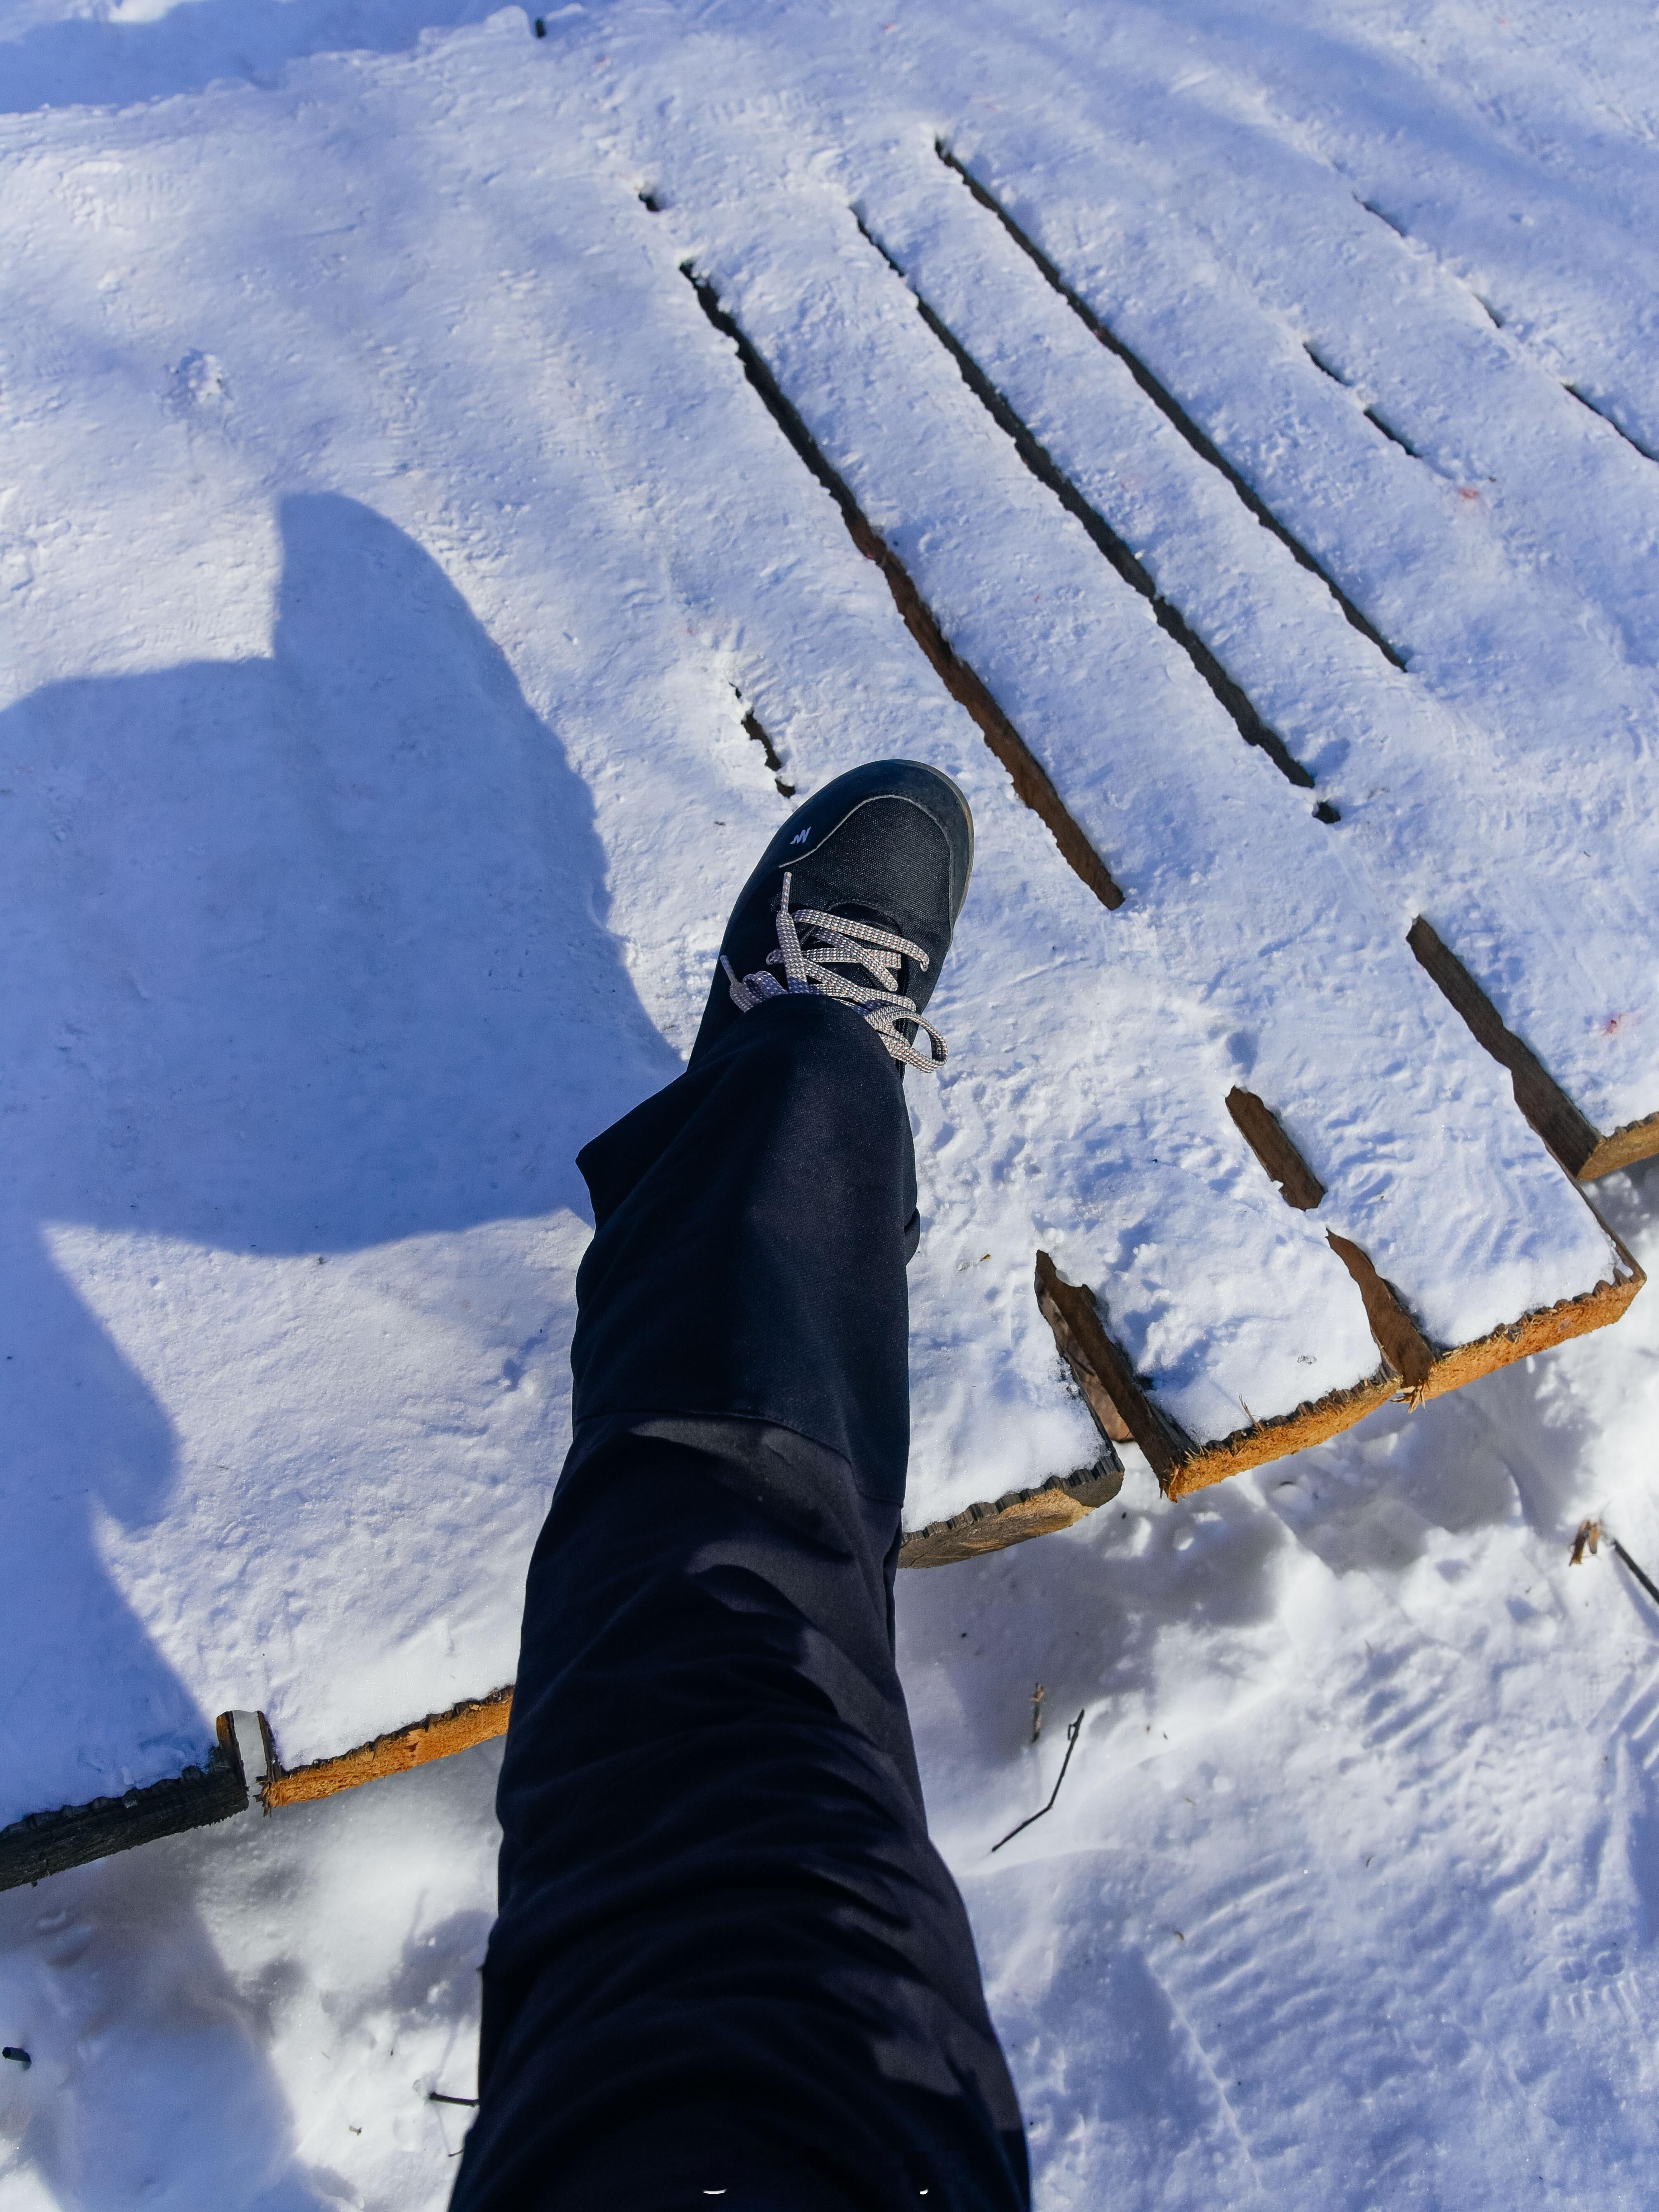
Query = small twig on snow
x=1646 y=1581
x=1071 y=1745
x=437 y=2097
x=1037 y=1713
x=1590 y=1535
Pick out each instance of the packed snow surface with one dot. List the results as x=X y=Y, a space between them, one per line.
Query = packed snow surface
x=391 y=552
x=1348 y=1900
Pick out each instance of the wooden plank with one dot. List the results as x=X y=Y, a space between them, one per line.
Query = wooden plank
x=48 y=1843
x=1429 y=1370
x=906 y=441
x=1411 y=1368
x=1426 y=1369
x=1016 y=1516
x=475 y=1720
x=1183 y=1463
x=1404 y=424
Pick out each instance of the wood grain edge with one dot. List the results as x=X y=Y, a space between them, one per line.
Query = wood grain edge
x=1074 y=1314
x=1575 y=1141
x=1180 y=1464
x=42 y=1843
x=1102 y=1408
x=1013 y=1518
x=1632 y=1142
x=1534 y=1332
x=1449 y=1368
x=1393 y=1325
x=1314 y=1421
x=475 y=1720
x=1429 y=1370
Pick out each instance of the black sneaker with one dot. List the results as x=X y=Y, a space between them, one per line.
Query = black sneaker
x=869 y=875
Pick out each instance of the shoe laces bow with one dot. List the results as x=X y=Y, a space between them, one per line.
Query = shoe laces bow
x=831 y=938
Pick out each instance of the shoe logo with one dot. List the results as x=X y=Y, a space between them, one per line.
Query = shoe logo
x=801 y=837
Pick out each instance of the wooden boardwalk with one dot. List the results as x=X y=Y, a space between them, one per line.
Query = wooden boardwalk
x=1305 y=982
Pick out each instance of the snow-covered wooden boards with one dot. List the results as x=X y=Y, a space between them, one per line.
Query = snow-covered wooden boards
x=414 y=637
x=50 y=1842
x=1131 y=720
x=438 y=1735
x=1447 y=485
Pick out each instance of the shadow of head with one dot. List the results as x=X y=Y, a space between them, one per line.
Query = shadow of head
x=308 y=952
x=315 y=946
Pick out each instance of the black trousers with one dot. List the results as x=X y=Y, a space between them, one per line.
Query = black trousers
x=728 y=1958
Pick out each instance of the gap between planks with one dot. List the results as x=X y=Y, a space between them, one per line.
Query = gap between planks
x=1235 y=701
x=1585 y=1152
x=1031 y=781
x=1166 y=403
x=1570 y=386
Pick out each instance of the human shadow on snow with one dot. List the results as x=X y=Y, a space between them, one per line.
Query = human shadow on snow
x=146 y=2079
x=308 y=956
x=150 y=2078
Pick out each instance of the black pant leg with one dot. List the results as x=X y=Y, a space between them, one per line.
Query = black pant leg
x=751 y=1227
x=726 y=1947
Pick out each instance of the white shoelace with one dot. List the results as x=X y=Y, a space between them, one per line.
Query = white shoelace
x=848 y=944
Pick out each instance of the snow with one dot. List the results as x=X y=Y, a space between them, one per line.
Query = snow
x=390 y=552
x=1348 y=1900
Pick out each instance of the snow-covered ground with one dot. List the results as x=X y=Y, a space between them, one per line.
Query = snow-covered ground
x=350 y=398
x=1349 y=1899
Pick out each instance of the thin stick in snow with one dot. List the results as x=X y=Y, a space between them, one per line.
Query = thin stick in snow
x=1071 y=1745
x=1590 y=1536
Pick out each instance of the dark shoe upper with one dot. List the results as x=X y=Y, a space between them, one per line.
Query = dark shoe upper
x=890 y=845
